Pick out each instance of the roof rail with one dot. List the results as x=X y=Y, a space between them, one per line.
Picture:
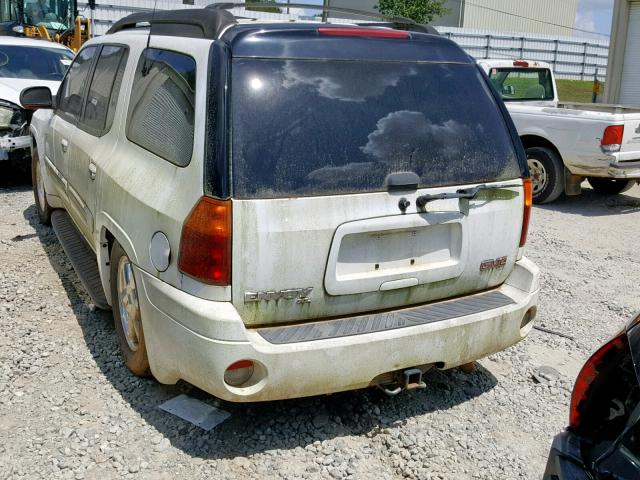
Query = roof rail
x=402 y=23
x=210 y=21
x=194 y=23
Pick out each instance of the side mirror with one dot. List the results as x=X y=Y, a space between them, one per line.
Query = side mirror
x=509 y=90
x=34 y=98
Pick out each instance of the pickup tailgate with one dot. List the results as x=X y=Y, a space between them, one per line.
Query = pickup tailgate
x=631 y=138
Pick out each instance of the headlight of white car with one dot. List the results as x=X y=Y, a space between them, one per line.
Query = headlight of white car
x=6 y=115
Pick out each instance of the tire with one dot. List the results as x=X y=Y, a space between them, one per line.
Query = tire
x=39 y=193
x=126 y=313
x=547 y=174
x=610 y=186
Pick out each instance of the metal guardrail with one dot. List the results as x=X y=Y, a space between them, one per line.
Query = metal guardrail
x=576 y=59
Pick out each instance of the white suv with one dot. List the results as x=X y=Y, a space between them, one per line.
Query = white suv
x=277 y=210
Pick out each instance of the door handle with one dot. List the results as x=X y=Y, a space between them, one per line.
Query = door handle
x=64 y=143
x=92 y=170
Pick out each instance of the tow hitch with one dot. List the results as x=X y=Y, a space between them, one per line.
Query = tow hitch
x=412 y=380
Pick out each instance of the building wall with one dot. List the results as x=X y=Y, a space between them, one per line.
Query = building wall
x=455 y=16
x=555 y=11
x=107 y=12
x=477 y=14
x=540 y=14
x=617 y=53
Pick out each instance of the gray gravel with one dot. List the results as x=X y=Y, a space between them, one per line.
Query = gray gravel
x=69 y=408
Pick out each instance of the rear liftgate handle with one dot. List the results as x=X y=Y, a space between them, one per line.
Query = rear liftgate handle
x=92 y=170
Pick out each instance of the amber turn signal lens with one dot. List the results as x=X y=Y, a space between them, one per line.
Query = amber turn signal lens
x=526 y=215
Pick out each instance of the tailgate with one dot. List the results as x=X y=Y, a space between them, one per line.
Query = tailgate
x=323 y=257
x=631 y=138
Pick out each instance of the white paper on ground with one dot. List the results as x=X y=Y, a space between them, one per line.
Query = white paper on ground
x=194 y=411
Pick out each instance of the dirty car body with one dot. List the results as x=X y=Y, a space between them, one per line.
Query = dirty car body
x=321 y=207
x=23 y=63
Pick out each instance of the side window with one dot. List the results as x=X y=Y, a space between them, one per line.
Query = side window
x=161 y=110
x=72 y=88
x=104 y=89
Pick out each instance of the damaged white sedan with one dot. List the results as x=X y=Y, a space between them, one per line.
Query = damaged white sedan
x=25 y=62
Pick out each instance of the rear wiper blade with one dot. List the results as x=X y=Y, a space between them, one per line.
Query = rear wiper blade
x=422 y=200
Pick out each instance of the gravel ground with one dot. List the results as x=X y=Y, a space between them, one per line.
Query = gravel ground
x=70 y=409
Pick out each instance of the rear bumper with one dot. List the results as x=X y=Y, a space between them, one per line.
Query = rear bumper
x=195 y=340
x=630 y=170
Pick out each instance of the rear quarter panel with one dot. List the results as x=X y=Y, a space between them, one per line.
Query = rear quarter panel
x=576 y=134
x=140 y=193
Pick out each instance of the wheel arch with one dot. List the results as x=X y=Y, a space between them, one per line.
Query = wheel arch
x=532 y=140
x=108 y=233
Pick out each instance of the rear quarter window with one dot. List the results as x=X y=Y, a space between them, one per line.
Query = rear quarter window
x=309 y=127
x=162 y=106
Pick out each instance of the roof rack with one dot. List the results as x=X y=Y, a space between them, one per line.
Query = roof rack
x=401 y=23
x=210 y=21
x=195 y=23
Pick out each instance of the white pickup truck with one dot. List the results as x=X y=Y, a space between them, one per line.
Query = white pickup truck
x=567 y=143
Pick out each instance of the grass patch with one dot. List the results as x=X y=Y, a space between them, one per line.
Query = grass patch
x=578 y=91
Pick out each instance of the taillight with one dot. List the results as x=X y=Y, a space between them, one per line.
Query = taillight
x=205 y=244
x=606 y=357
x=520 y=63
x=526 y=214
x=363 y=32
x=612 y=139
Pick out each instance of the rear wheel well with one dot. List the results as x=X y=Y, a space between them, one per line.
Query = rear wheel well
x=107 y=240
x=110 y=239
x=529 y=141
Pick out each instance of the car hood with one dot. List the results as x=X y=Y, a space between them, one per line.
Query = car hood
x=10 y=88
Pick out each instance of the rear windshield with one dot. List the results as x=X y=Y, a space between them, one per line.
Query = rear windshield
x=308 y=127
x=518 y=84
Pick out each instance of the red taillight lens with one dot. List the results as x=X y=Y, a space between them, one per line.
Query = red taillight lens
x=238 y=373
x=205 y=245
x=363 y=32
x=520 y=63
x=599 y=360
x=612 y=138
x=526 y=215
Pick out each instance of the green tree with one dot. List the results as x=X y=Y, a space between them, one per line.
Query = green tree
x=422 y=11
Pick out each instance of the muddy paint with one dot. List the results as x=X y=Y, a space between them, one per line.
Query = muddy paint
x=285 y=244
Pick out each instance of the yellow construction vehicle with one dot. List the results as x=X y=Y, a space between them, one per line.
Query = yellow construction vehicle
x=53 y=20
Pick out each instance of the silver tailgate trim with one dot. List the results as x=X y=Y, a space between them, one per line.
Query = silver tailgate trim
x=344 y=327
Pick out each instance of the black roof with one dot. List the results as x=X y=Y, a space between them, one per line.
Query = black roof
x=210 y=21
x=193 y=23
x=300 y=41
